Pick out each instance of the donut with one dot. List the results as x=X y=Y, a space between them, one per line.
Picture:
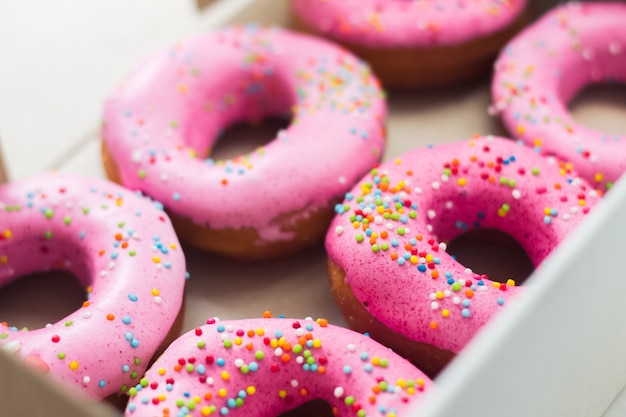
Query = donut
x=540 y=71
x=389 y=269
x=160 y=124
x=122 y=249
x=267 y=366
x=416 y=43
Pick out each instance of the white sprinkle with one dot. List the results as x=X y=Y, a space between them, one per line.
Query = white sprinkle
x=444 y=178
x=456 y=300
x=230 y=328
x=378 y=220
x=417 y=190
x=431 y=214
x=615 y=48
x=87 y=315
x=158 y=299
x=137 y=156
x=516 y=194
x=338 y=392
x=342 y=180
x=338 y=230
x=299 y=332
x=210 y=381
x=566 y=216
x=300 y=360
x=103 y=274
x=13 y=346
x=239 y=362
x=164 y=177
x=278 y=351
x=429 y=228
x=443 y=246
x=351 y=348
x=588 y=54
x=468 y=270
x=294 y=383
x=86 y=380
x=433 y=296
x=111 y=265
x=449 y=205
x=447 y=293
x=434 y=305
x=435 y=185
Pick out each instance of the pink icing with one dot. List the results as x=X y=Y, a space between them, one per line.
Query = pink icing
x=264 y=367
x=429 y=196
x=405 y=23
x=121 y=248
x=165 y=116
x=542 y=69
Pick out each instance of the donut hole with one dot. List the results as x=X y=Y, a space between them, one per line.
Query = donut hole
x=313 y=408
x=601 y=107
x=47 y=287
x=492 y=252
x=35 y=300
x=243 y=138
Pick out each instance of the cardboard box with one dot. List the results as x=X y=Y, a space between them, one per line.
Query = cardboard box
x=552 y=353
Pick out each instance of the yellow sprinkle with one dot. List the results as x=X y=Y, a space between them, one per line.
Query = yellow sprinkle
x=260 y=332
x=510 y=282
x=173 y=246
x=118 y=202
x=410 y=391
x=282 y=393
x=161 y=397
x=501 y=213
x=74 y=365
x=413 y=259
x=222 y=392
x=398 y=161
x=598 y=177
x=238 y=341
x=156 y=259
x=274 y=343
x=161 y=371
x=547 y=211
x=4 y=259
x=155 y=291
x=317 y=343
x=251 y=390
x=445 y=313
x=225 y=375
x=537 y=142
x=520 y=129
x=375 y=361
x=206 y=410
x=439 y=295
x=429 y=257
x=8 y=234
x=581 y=202
x=461 y=181
x=182 y=88
x=401 y=383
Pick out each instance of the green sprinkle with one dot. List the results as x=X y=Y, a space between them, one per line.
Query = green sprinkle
x=189 y=367
x=134 y=374
x=349 y=400
x=180 y=403
x=359 y=238
x=375 y=248
x=4 y=335
x=401 y=231
x=48 y=235
x=228 y=343
x=67 y=220
x=201 y=344
x=132 y=252
x=535 y=171
x=503 y=181
x=132 y=392
x=49 y=214
x=244 y=369
x=61 y=355
x=259 y=355
x=141 y=173
x=511 y=183
x=297 y=349
x=68 y=323
x=456 y=287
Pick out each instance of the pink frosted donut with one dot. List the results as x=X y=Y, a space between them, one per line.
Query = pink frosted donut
x=121 y=248
x=416 y=42
x=264 y=367
x=540 y=71
x=389 y=268
x=160 y=124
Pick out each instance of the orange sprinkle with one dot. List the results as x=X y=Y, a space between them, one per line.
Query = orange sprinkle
x=469 y=293
x=433 y=325
x=322 y=322
x=110 y=317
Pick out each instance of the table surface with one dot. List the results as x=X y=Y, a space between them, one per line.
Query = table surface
x=54 y=82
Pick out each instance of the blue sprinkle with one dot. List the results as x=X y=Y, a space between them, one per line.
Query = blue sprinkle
x=126 y=320
x=132 y=297
x=465 y=312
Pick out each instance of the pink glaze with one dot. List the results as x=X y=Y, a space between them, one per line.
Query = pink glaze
x=406 y=279
x=406 y=23
x=541 y=70
x=264 y=367
x=162 y=121
x=121 y=248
